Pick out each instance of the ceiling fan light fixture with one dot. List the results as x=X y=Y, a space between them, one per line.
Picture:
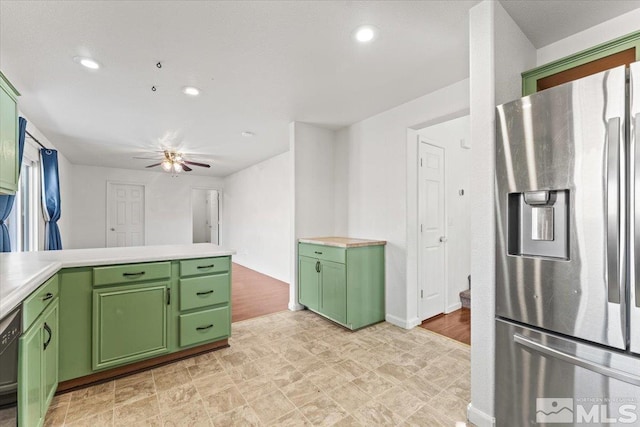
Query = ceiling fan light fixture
x=166 y=165
x=177 y=167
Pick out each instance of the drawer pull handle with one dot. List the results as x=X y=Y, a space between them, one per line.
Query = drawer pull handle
x=203 y=328
x=316 y=252
x=205 y=292
x=202 y=267
x=48 y=296
x=140 y=273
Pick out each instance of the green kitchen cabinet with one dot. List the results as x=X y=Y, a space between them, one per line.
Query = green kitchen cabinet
x=38 y=367
x=203 y=313
x=309 y=282
x=344 y=284
x=76 y=314
x=8 y=137
x=333 y=290
x=130 y=323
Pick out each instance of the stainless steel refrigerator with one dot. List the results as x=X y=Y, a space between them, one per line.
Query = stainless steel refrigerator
x=568 y=254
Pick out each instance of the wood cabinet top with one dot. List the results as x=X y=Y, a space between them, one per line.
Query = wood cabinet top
x=342 y=242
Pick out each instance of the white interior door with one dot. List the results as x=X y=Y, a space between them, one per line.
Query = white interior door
x=213 y=219
x=125 y=215
x=431 y=211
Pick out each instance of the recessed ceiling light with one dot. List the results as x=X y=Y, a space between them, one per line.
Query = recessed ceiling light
x=248 y=134
x=190 y=90
x=87 y=62
x=365 y=33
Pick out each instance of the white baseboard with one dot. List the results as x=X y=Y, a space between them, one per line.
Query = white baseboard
x=479 y=418
x=295 y=306
x=454 y=307
x=405 y=324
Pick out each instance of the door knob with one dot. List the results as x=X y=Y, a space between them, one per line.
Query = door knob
x=113 y=229
x=443 y=239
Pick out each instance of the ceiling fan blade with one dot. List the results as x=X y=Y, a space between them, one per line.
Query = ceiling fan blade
x=202 y=165
x=153 y=165
x=185 y=167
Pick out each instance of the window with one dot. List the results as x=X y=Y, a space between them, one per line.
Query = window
x=23 y=219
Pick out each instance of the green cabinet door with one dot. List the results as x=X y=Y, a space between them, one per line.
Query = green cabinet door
x=30 y=384
x=8 y=137
x=50 y=353
x=333 y=290
x=129 y=323
x=308 y=282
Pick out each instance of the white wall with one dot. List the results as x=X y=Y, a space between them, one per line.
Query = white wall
x=601 y=33
x=168 y=204
x=457 y=169
x=382 y=180
x=313 y=201
x=201 y=232
x=66 y=196
x=256 y=216
x=499 y=53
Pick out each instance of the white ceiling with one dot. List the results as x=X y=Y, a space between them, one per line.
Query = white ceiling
x=548 y=21
x=260 y=66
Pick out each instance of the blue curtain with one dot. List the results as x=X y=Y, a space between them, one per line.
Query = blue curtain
x=50 y=199
x=6 y=202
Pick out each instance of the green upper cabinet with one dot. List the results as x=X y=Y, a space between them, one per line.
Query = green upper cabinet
x=623 y=50
x=8 y=137
x=344 y=284
x=129 y=323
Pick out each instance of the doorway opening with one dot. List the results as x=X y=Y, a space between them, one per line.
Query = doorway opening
x=444 y=232
x=205 y=214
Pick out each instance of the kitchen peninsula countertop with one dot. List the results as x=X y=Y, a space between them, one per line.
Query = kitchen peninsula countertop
x=342 y=242
x=23 y=272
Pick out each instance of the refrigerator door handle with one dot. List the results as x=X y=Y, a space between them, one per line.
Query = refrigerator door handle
x=613 y=209
x=577 y=361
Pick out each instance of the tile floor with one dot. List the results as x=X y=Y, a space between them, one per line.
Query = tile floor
x=290 y=369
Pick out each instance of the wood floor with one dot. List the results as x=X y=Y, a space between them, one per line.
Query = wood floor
x=254 y=294
x=455 y=325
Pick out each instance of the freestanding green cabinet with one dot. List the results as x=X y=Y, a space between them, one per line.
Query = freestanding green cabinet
x=8 y=137
x=342 y=279
x=38 y=374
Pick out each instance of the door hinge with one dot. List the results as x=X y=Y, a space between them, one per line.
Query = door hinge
x=421 y=293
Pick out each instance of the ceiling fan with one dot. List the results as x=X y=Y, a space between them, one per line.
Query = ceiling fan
x=173 y=161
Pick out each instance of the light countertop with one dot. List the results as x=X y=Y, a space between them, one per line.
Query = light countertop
x=342 y=242
x=23 y=272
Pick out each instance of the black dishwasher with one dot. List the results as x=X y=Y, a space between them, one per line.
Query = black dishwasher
x=10 y=331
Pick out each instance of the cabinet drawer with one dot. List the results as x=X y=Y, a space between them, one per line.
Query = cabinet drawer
x=38 y=301
x=328 y=253
x=204 y=291
x=194 y=267
x=131 y=273
x=204 y=325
